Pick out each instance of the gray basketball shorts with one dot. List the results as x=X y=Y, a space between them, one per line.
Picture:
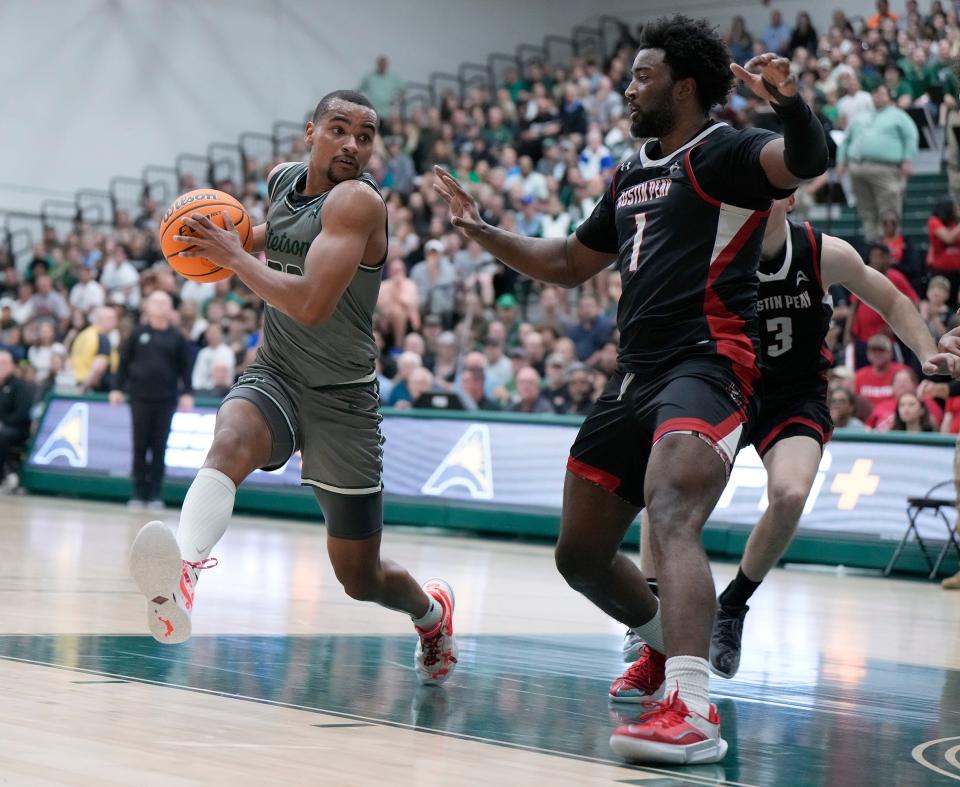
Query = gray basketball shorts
x=336 y=430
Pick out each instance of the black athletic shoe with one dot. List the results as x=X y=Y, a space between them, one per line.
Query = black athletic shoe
x=725 y=641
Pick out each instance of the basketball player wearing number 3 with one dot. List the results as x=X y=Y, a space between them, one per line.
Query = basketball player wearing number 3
x=311 y=388
x=798 y=266
x=683 y=219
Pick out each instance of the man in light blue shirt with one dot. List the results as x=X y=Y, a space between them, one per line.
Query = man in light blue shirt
x=878 y=149
x=776 y=35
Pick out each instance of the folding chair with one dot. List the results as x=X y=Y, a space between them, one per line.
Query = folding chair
x=935 y=505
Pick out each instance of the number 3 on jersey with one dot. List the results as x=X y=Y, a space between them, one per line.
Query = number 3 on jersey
x=782 y=330
x=641 y=219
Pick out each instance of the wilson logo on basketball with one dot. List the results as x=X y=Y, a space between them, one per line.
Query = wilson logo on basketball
x=186 y=200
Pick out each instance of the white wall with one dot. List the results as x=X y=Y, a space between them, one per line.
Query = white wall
x=97 y=88
x=90 y=89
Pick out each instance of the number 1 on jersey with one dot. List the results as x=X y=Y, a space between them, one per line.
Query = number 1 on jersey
x=641 y=219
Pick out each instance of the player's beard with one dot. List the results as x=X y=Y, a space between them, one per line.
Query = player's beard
x=656 y=121
x=334 y=177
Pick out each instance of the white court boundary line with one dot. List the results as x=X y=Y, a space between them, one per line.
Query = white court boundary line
x=683 y=777
x=950 y=756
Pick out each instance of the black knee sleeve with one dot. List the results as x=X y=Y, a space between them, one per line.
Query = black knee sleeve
x=351 y=516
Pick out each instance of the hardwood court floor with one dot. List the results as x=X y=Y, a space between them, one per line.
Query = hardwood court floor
x=846 y=680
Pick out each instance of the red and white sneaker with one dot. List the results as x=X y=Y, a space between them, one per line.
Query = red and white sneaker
x=436 y=654
x=643 y=680
x=166 y=581
x=671 y=733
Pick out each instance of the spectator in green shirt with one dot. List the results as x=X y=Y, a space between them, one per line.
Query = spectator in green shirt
x=878 y=148
x=381 y=87
x=900 y=91
x=497 y=132
x=917 y=72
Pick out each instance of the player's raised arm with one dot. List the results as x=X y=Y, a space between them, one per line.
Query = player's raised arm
x=842 y=265
x=802 y=152
x=563 y=261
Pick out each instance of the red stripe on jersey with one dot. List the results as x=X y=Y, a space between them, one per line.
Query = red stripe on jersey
x=816 y=252
x=716 y=432
x=797 y=419
x=696 y=184
x=726 y=328
x=601 y=478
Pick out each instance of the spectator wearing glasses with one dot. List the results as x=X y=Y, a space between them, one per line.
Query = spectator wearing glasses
x=842 y=410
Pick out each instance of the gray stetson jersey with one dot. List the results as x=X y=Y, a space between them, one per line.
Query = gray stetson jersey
x=342 y=350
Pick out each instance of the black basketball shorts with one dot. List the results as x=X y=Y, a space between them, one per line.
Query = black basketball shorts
x=631 y=415
x=786 y=411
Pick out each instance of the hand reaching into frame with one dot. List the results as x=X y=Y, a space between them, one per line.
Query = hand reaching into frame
x=769 y=77
x=464 y=213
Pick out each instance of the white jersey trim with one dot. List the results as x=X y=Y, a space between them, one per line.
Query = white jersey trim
x=781 y=274
x=341 y=490
x=367 y=379
x=646 y=161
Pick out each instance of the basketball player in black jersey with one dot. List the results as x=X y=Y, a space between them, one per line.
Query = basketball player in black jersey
x=683 y=219
x=798 y=265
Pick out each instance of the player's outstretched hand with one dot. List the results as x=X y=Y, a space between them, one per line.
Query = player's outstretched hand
x=942 y=363
x=769 y=77
x=216 y=244
x=464 y=214
x=950 y=342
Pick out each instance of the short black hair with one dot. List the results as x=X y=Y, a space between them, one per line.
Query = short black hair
x=350 y=96
x=692 y=49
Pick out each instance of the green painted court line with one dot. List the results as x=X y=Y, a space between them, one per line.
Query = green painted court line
x=705 y=782
x=801 y=721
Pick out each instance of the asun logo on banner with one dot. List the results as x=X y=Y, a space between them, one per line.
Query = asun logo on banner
x=467 y=465
x=749 y=473
x=68 y=440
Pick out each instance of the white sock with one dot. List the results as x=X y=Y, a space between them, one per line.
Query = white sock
x=431 y=617
x=690 y=675
x=205 y=514
x=651 y=632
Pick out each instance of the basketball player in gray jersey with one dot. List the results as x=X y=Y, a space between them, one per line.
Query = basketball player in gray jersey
x=312 y=387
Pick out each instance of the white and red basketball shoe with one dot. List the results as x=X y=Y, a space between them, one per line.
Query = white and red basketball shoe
x=671 y=733
x=436 y=654
x=643 y=680
x=166 y=581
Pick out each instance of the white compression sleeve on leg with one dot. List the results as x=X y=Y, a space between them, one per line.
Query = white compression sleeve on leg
x=205 y=514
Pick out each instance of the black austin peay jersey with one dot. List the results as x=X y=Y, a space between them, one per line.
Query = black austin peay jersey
x=794 y=312
x=687 y=230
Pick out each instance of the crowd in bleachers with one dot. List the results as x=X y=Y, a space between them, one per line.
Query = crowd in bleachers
x=459 y=329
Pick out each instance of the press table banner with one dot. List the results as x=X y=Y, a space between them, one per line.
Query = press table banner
x=861 y=487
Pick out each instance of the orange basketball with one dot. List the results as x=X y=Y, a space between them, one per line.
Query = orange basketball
x=211 y=203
